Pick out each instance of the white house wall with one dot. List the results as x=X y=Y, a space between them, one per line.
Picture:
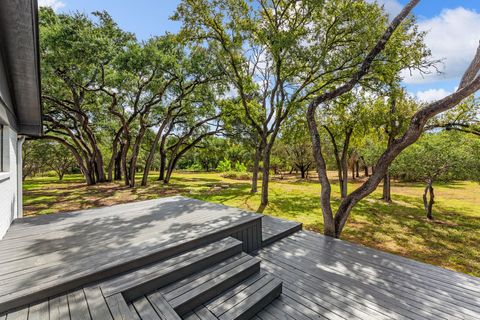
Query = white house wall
x=8 y=182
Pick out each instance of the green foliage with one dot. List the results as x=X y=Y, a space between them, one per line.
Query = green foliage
x=443 y=156
x=195 y=167
x=225 y=165
x=43 y=157
x=237 y=175
x=240 y=167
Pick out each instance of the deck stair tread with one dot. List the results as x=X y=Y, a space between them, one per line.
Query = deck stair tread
x=234 y=289
x=242 y=301
x=274 y=229
x=198 y=290
x=255 y=301
x=145 y=279
x=250 y=299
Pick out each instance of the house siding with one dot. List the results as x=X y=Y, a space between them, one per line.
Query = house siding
x=9 y=182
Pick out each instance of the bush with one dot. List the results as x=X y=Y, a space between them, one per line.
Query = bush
x=224 y=166
x=237 y=175
x=195 y=167
x=240 y=167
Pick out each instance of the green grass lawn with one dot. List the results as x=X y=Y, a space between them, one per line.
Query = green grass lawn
x=452 y=240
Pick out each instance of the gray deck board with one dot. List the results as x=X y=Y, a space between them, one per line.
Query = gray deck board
x=145 y=310
x=162 y=307
x=410 y=297
x=399 y=265
x=59 y=308
x=39 y=311
x=77 y=303
x=118 y=307
x=401 y=284
x=96 y=303
x=20 y=314
x=325 y=276
x=205 y=314
x=134 y=313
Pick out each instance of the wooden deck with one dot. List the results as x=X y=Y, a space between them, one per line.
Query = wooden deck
x=324 y=278
x=209 y=275
x=46 y=255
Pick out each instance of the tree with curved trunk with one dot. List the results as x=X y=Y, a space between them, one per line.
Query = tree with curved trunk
x=73 y=51
x=190 y=134
x=470 y=83
x=194 y=71
x=279 y=54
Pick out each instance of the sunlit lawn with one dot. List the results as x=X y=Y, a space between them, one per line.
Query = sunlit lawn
x=452 y=240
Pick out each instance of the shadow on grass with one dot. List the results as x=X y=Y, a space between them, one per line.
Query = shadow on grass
x=451 y=240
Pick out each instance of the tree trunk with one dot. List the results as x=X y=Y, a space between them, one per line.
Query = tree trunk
x=353 y=171
x=428 y=200
x=256 y=165
x=115 y=154
x=320 y=165
x=344 y=187
x=163 y=165
x=125 y=168
x=357 y=169
x=365 y=168
x=343 y=192
x=99 y=166
x=386 y=188
x=170 y=167
x=117 y=175
x=135 y=153
x=265 y=175
x=151 y=154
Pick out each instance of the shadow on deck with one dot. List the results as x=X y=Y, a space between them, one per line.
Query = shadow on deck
x=175 y=258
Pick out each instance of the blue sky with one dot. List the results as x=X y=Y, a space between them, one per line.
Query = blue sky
x=453 y=26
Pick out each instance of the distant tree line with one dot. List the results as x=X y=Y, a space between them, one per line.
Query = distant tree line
x=269 y=86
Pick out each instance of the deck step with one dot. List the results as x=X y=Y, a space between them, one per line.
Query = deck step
x=246 y=299
x=274 y=229
x=197 y=289
x=155 y=307
x=135 y=284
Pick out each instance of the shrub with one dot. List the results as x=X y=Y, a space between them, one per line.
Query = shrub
x=195 y=167
x=224 y=166
x=237 y=175
x=240 y=167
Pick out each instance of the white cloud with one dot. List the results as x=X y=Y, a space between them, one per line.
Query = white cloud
x=392 y=7
x=54 y=4
x=453 y=38
x=432 y=95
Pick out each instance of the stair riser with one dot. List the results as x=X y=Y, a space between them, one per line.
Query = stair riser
x=180 y=273
x=212 y=292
